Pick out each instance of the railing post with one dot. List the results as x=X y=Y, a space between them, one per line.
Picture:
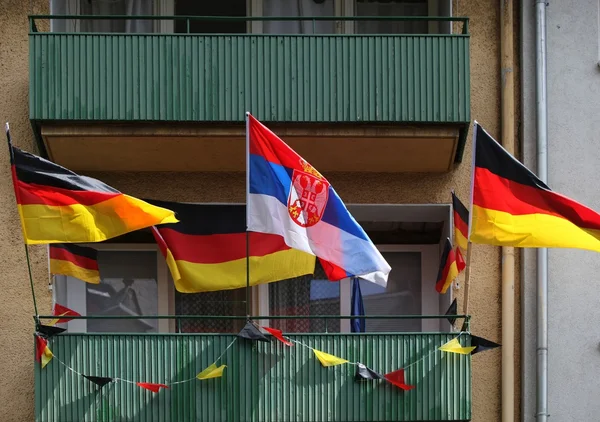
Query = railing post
x=187 y=25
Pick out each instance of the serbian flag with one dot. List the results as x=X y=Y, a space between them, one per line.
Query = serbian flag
x=57 y=206
x=75 y=261
x=461 y=222
x=290 y=198
x=206 y=250
x=448 y=270
x=512 y=207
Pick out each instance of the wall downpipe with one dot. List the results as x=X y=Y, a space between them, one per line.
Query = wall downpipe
x=507 y=99
x=542 y=172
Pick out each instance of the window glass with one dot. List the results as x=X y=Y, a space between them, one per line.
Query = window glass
x=391 y=8
x=305 y=8
x=225 y=302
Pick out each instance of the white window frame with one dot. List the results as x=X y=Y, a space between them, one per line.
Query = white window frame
x=76 y=289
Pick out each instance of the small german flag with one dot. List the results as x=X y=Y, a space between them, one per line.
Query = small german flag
x=75 y=261
x=207 y=250
x=512 y=207
x=461 y=223
x=58 y=206
x=43 y=354
x=448 y=269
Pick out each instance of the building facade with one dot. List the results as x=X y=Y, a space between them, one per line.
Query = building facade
x=572 y=99
x=155 y=108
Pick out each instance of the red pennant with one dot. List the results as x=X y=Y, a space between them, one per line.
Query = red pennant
x=278 y=334
x=460 y=261
x=63 y=311
x=397 y=378
x=40 y=346
x=332 y=271
x=152 y=387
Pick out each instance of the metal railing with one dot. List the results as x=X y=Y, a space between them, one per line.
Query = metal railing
x=325 y=318
x=33 y=28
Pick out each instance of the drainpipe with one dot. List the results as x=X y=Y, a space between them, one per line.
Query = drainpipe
x=542 y=172
x=507 y=99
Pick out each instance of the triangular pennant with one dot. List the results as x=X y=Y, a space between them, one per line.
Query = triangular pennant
x=43 y=354
x=328 y=360
x=60 y=310
x=362 y=372
x=454 y=346
x=211 y=372
x=481 y=344
x=278 y=334
x=397 y=378
x=48 y=331
x=100 y=381
x=152 y=387
x=251 y=332
x=452 y=310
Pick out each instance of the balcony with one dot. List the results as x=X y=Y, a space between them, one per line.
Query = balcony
x=262 y=381
x=386 y=103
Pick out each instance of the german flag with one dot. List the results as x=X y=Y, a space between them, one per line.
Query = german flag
x=58 y=206
x=461 y=223
x=74 y=261
x=448 y=269
x=206 y=250
x=43 y=354
x=512 y=207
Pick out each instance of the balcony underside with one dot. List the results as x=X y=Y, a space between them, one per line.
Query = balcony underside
x=262 y=381
x=192 y=148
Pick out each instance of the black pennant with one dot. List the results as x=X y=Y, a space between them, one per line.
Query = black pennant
x=251 y=332
x=101 y=381
x=452 y=310
x=481 y=344
x=362 y=372
x=48 y=331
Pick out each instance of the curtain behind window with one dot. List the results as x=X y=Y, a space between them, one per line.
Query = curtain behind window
x=298 y=8
x=103 y=7
x=391 y=8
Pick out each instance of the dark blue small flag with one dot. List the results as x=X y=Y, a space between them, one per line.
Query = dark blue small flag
x=358 y=309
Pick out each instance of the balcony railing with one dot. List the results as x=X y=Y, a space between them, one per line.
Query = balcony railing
x=262 y=381
x=339 y=78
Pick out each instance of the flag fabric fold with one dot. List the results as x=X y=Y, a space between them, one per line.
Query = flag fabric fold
x=212 y=371
x=460 y=215
x=365 y=373
x=397 y=379
x=251 y=332
x=481 y=344
x=451 y=312
x=357 y=325
x=150 y=386
x=74 y=261
x=48 y=331
x=512 y=207
x=278 y=334
x=448 y=269
x=328 y=360
x=289 y=197
x=62 y=311
x=99 y=381
x=206 y=250
x=57 y=205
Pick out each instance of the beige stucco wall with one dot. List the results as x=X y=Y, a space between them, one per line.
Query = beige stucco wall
x=16 y=308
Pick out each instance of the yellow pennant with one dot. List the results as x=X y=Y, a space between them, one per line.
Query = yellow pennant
x=211 y=372
x=46 y=356
x=328 y=360
x=453 y=346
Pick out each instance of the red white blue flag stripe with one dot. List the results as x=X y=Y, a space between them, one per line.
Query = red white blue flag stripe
x=288 y=197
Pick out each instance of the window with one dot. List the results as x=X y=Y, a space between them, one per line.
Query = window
x=210 y=8
x=136 y=282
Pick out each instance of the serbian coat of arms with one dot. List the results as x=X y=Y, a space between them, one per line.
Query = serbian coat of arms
x=308 y=196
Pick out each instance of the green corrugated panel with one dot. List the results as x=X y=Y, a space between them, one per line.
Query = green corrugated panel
x=263 y=382
x=374 y=78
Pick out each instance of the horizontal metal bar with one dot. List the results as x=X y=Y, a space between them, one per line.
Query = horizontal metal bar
x=463 y=19
x=243 y=317
x=184 y=34
x=387 y=333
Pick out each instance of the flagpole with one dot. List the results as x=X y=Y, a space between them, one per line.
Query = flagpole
x=247 y=213
x=467 y=274
x=10 y=152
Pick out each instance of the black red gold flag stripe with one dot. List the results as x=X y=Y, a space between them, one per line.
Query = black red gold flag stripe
x=461 y=223
x=512 y=207
x=75 y=261
x=206 y=250
x=57 y=205
x=448 y=270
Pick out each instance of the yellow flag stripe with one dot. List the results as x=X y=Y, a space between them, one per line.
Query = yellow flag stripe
x=530 y=231
x=58 y=266
x=460 y=240
x=190 y=277
x=89 y=223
